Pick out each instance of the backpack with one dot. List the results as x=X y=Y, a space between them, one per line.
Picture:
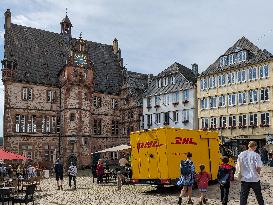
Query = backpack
x=185 y=167
x=223 y=176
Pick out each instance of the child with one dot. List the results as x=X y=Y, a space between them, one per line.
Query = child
x=225 y=173
x=202 y=179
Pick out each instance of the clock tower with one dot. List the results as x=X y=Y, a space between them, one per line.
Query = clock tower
x=76 y=81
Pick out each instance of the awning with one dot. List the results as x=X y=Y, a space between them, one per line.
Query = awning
x=6 y=155
x=115 y=149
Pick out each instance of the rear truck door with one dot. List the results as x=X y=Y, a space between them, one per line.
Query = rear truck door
x=135 y=157
x=212 y=151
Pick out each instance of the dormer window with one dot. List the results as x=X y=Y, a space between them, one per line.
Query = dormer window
x=159 y=83
x=233 y=58
x=172 y=80
x=165 y=81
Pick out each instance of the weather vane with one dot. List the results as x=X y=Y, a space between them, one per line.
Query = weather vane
x=80 y=35
x=66 y=11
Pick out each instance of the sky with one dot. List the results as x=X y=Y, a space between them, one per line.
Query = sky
x=152 y=34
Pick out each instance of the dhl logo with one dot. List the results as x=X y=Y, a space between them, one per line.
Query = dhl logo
x=184 y=140
x=148 y=144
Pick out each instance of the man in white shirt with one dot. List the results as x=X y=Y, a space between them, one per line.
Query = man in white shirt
x=250 y=165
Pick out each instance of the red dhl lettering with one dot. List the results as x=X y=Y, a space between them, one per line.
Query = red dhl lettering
x=148 y=144
x=184 y=140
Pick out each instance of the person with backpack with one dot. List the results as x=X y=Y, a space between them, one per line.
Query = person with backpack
x=59 y=174
x=225 y=173
x=187 y=178
x=72 y=173
x=202 y=179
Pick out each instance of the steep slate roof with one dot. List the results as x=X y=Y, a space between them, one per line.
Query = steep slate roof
x=40 y=55
x=184 y=79
x=255 y=55
x=136 y=83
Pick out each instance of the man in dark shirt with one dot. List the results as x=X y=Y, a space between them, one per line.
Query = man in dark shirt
x=59 y=174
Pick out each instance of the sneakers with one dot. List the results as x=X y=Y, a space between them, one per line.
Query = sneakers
x=179 y=200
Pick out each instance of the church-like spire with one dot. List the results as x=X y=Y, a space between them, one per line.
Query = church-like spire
x=66 y=25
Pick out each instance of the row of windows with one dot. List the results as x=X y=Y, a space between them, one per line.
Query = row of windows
x=97 y=102
x=158 y=118
x=28 y=124
x=162 y=82
x=27 y=94
x=167 y=99
x=233 y=58
x=232 y=121
x=240 y=76
x=251 y=96
x=115 y=126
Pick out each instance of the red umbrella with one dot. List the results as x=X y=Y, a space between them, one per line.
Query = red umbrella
x=11 y=156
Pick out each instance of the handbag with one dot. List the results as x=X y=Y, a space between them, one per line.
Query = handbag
x=238 y=174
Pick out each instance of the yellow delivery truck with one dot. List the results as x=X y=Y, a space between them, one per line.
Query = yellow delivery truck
x=156 y=153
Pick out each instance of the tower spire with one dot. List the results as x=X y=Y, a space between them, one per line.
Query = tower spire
x=66 y=25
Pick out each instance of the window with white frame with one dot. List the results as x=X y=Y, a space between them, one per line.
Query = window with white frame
x=186 y=95
x=204 y=103
x=242 y=120
x=252 y=73
x=223 y=61
x=241 y=76
x=165 y=81
x=213 y=123
x=20 y=124
x=166 y=99
x=223 y=121
x=231 y=99
x=157 y=100
x=158 y=118
x=213 y=102
x=253 y=119
x=264 y=94
x=175 y=116
x=231 y=78
x=159 y=83
x=27 y=94
x=185 y=115
x=241 y=98
x=31 y=124
x=51 y=96
x=212 y=82
x=264 y=71
x=149 y=103
x=201 y=84
x=222 y=80
x=253 y=96
x=166 y=118
x=149 y=120
x=230 y=59
x=265 y=119
x=172 y=80
x=222 y=101
x=96 y=101
x=205 y=123
x=204 y=85
x=175 y=97
x=114 y=103
x=232 y=121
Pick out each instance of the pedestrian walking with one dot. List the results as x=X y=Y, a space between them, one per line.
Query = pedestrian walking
x=225 y=173
x=100 y=171
x=264 y=155
x=248 y=167
x=270 y=161
x=187 y=178
x=202 y=179
x=59 y=174
x=72 y=173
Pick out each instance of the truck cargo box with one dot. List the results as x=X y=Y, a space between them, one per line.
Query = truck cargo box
x=156 y=153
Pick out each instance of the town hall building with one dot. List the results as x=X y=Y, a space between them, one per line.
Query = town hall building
x=66 y=96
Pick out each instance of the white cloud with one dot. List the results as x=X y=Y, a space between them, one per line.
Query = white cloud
x=2 y=35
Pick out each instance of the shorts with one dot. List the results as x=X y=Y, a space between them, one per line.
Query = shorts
x=203 y=190
x=59 y=177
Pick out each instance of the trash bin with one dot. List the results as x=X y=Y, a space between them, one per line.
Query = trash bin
x=46 y=174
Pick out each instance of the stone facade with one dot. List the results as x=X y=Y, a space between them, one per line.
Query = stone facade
x=66 y=97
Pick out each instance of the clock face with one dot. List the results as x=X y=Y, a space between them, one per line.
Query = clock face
x=80 y=59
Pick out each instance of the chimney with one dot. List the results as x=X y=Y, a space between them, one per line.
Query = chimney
x=115 y=46
x=195 y=69
x=7 y=19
